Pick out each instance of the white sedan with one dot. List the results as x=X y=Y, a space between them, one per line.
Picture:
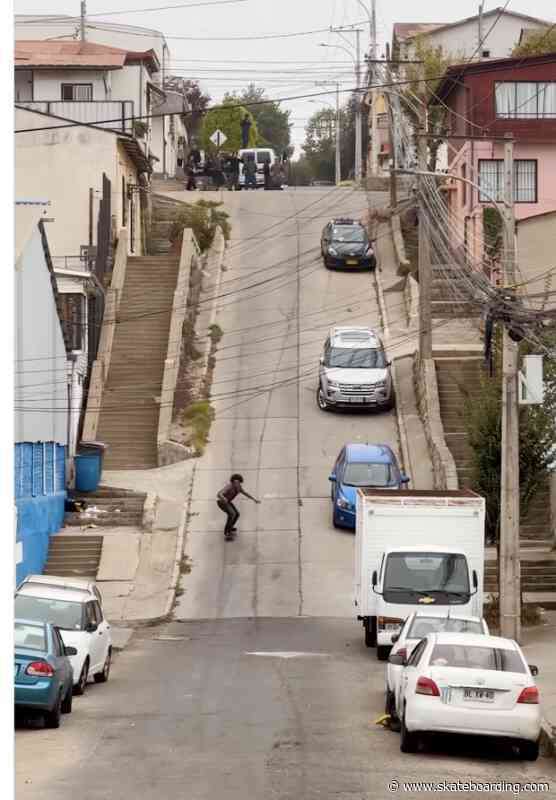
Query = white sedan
x=415 y=627
x=469 y=684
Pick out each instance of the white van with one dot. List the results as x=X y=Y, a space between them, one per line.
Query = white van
x=260 y=154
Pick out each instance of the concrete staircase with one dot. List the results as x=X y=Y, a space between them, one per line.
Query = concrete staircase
x=108 y=507
x=462 y=371
x=73 y=556
x=130 y=407
x=446 y=289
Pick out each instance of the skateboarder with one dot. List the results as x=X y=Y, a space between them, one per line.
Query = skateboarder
x=225 y=498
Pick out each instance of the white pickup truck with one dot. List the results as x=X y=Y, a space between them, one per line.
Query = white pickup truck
x=415 y=549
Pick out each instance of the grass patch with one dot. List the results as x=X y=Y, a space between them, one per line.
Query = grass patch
x=185 y=565
x=198 y=417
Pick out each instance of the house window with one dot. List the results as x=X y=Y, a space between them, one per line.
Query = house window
x=73 y=320
x=77 y=91
x=491 y=177
x=485 y=54
x=525 y=99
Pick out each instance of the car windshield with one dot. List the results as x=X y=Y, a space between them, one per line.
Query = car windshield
x=347 y=233
x=423 y=625
x=264 y=156
x=360 y=474
x=355 y=358
x=31 y=637
x=63 y=613
x=473 y=657
x=426 y=577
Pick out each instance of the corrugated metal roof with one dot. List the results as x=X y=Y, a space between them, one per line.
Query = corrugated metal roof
x=78 y=55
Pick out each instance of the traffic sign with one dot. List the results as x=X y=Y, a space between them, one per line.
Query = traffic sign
x=218 y=138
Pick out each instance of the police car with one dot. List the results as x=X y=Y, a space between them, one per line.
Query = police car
x=345 y=243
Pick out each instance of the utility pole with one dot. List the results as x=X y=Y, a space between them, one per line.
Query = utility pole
x=425 y=268
x=82 y=20
x=338 y=171
x=358 y=131
x=480 y=47
x=509 y=564
x=374 y=96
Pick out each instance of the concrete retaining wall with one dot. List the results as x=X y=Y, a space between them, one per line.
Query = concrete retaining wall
x=101 y=366
x=411 y=299
x=445 y=474
x=170 y=452
x=404 y=265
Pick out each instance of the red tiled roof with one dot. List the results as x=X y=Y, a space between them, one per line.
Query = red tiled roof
x=78 y=55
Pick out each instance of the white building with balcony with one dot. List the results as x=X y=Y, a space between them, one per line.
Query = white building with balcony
x=97 y=84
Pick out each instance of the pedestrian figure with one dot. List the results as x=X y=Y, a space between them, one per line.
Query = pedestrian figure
x=250 y=172
x=225 y=498
x=277 y=175
x=191 y=182
x=233 y=172
x=266 y=173
x=245 y=128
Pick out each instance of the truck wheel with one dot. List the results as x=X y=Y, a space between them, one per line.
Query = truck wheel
x=382 y=652
x=370 y=632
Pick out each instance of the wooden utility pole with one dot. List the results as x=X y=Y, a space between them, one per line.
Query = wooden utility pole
x=425 y=269
x=509 y=564
x=374 y=96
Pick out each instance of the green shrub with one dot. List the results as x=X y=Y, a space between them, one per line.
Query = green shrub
x=199 y=416
x=203 y=217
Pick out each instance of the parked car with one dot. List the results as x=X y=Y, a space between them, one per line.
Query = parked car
x=43 y=674
x=416 y=626
x=357 y=466
x=259 y=155
x=469 y=684
x=79 y=616
x=64 y=582
x=345 y=243
x=354 y=371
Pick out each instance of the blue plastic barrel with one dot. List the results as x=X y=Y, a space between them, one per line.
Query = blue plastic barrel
x=87 y=471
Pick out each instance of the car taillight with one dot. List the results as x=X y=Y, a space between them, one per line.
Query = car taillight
x=529 y=695
x=428 y=687
x=40 y=668
x=383 y=621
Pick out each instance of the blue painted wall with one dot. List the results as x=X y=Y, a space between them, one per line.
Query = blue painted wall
x=40 y=493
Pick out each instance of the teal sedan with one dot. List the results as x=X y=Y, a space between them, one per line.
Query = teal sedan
x=43 y=674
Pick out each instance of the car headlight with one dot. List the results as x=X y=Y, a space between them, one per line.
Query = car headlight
x=380 y=385
x=369 y=251
x=343 y=503
x=333 y=385
x=332 y=251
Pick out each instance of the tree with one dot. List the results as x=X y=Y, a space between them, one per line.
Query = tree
x=537 y=436
x=273 y=123
x=320 y=141
x=197 y=100
x=300 y=172
x=436 y=61
x=227 y=118
x=537 y=43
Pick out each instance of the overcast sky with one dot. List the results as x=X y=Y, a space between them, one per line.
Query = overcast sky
x=297 y=62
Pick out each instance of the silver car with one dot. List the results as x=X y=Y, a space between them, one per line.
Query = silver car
x=354 y=371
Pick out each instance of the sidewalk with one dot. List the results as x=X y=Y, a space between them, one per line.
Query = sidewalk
x=401 y=339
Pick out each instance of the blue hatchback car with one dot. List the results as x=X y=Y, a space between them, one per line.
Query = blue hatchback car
x=361 y=466
x=43 y=674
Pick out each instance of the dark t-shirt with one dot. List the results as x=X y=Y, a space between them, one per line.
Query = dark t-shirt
x=231 y=490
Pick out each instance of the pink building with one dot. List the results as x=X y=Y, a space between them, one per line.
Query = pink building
x=491 y=99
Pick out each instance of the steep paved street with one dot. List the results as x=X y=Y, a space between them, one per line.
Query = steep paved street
x=261 y=686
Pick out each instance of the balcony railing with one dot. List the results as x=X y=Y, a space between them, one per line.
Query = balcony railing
x=73 y=264
x=91 y=111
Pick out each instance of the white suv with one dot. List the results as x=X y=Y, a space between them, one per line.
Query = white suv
x=354 y=371
x=79 y=616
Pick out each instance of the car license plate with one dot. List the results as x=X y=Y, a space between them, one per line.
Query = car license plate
x=358 y=399
x=352 y=261
x=483 y=695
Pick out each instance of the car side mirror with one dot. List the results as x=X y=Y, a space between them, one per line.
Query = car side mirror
x=475 y=580
x=321 y=361
x=405 y=479
x=91 y=627
x=388 y=363
x=374 y=579
x=70 y=651
x=332 y=478
x=397 y=659
x=534 y=670
x=395 y=638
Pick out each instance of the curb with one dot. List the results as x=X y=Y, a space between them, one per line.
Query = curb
x=216 y=255
x=179 y=553
x=548 y=739
x=402 y=432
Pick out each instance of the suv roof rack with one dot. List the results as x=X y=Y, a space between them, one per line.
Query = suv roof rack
x=345 y=221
